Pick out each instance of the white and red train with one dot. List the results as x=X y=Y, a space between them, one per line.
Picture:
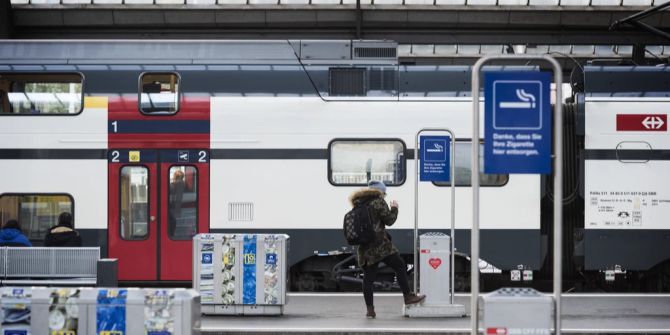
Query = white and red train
x=150 y=142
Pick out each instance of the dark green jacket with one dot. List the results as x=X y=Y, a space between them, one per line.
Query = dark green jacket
x=382 y=246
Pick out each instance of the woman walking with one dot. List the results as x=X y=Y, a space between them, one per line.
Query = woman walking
x=381 y=249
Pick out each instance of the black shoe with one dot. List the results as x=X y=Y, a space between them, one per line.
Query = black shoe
x=411 y=299
x=371 y=312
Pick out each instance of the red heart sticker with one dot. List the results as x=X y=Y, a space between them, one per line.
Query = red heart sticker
x=435 y=262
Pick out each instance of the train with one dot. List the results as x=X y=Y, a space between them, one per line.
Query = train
x=148 y=143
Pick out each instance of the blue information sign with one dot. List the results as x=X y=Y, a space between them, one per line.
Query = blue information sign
x=434 y=158
x=517 y=120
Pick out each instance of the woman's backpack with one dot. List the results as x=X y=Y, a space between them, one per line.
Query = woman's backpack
x=358 y=225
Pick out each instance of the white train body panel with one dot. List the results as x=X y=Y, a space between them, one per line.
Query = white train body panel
x=84 y=180
x=296 y=194
x=625 y=193
x=85 y=130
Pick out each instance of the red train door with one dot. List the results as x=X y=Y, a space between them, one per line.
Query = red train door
x=184 y=209
x=158 y=200
x=133 y=212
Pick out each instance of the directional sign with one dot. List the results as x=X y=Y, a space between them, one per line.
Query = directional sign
x=434 y=158
x=182 y=155
x=517 y=120
x=642 y=122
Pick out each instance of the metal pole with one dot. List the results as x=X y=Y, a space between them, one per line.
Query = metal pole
x=452 y=179
x=558 y=192
x=474 y=182
x=415 y=267
x=558 y=184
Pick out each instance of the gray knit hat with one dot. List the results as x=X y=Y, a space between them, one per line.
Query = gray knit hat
x=377 y=185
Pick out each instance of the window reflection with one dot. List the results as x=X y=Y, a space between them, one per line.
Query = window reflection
x=134 y=202
x=183 y=202
x=159 y=93
x=463 y=169
x=355 y=162
x=36 y=213
x=40 y=94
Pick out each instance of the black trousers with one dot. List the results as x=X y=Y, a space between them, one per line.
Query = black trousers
x=370 y=275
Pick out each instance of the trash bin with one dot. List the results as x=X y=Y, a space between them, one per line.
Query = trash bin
x=516 y=311
x=434 y=268
x=71 y=311
x=241 y=274
x=434 y=279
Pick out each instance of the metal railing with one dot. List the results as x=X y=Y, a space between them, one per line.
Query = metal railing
x=195 y=3
x=45 y=262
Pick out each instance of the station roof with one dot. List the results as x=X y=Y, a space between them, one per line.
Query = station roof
x=406 y=3
x=405 y=21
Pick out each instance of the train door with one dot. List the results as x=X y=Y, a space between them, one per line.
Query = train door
x=158 y=200
x=184 y=209
x=133 y=213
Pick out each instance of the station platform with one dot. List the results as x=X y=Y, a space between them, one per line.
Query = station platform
x=345 y=314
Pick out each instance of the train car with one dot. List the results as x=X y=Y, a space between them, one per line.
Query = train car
x=626 y=192
x=147 y=143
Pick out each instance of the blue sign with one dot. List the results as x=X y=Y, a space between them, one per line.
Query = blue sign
x=271 y=259
x=434 y=158
x=249 y=270
x=517 y=119
x=15 y=332
x=206 y=258
x=111 y=312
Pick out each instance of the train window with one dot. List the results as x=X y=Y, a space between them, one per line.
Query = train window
x=134 y=198
x=159 y=93
x=463 y=170
x=183 y=202
x=36 y=213
x=356 y=162
x=40 y=94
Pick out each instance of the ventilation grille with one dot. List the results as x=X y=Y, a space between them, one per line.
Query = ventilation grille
x=49 y=262
x=375 y=53
x=240 y=211
x=347 y=82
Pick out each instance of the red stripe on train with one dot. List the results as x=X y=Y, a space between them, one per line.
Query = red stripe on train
x=190 y=108
x=125 y=107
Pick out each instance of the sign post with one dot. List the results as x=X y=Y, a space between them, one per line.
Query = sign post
x=437 y=157
x=518 y=140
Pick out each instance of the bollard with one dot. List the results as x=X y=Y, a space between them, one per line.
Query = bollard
x=107 y=272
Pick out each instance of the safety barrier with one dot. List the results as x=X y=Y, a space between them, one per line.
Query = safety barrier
x=71 y=311
x=48 y=265
x=241 y=274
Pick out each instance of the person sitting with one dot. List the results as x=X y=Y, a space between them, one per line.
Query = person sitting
x=12 y=236
x=63 y=235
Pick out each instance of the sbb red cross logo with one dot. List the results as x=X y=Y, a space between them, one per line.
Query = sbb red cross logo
x=641 y=122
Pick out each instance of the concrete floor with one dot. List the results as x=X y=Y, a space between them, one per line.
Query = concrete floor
x=345 y=314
